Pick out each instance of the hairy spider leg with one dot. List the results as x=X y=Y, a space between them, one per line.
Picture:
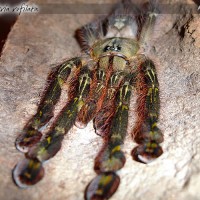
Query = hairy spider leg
x=107 y=105
x=104 y=115
x=30 y=170
x=30 y=134
x=148 y=25
x=146 y=133
x=116 y=132
x=102 y=88
x=111 y=158
x=97 y=91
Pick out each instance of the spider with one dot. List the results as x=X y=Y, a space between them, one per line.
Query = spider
x=100 y=85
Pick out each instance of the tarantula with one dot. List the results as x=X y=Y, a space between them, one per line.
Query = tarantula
x=100 y=85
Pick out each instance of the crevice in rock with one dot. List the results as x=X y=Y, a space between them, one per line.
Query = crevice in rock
x=197 y=2
x=7 y=21
x=6 y=24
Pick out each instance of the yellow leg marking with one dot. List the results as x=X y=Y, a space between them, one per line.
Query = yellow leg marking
x=105 y=180
x=149 y=75
x=31 y=163
x=99 y=192
x=116 y=136
x=126 y=90
x=26 y=139
x=49 y=140
x=151 y=133
x=80 y=104
x=98 y=89
x=150 y=94
x=154 y=124
x=111 y=92
x=60 y=81
x=55 y=88
x=85 y=83
x=41 y=151
x=27 y=175
x=116 y=78
x=59 y=130
x=115 y=149
x=153 y=115
x=154 y=78
x=75 y=99
x=124 y=107
x=64 y=66
x=156 y=91
x=154 y=145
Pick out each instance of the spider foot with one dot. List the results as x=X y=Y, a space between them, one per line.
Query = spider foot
x=147 y=152
x=111 y=158
x=102 y=186
x=28 y=172
x=27 y=139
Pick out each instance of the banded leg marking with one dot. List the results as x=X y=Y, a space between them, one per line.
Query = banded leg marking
x=51 y=144
x=111 y=158
x=28 y=172
x=89 y=109
x=148 y=134
x=105 y=114
x=30 y=134
x=103 y=186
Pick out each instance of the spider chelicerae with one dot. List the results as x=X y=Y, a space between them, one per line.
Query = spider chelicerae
x=100 y=85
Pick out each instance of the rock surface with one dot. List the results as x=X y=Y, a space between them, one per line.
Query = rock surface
x=36 y=43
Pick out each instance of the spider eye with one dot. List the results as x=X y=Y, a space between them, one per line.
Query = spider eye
x=119 y=48
x=112 y=48
x=107 y=48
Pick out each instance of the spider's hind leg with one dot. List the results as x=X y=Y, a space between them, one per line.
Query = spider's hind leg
x=31 y=134
x=146 y=133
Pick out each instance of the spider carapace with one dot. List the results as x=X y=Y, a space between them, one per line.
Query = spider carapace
x=100 y=84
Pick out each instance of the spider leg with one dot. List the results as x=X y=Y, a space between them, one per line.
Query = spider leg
x=90 y=108
x=146 y=133
x=30 y=170
x=149 y=18
x=111 y=158
x=31 y=134
x=101 y=99
x=104 y=116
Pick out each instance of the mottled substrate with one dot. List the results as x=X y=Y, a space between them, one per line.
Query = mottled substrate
x=23 y=77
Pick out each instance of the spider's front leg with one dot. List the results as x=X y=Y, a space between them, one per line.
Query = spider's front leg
x=31 y=134
x=111 y=158
x=30 y=170
x=90 y=107
x=146 y=133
